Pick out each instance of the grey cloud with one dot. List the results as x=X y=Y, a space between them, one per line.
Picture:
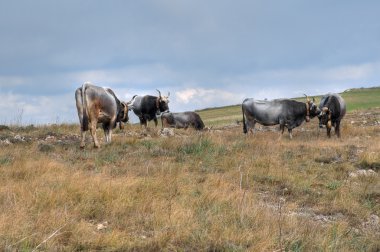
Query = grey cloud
x=48 y=48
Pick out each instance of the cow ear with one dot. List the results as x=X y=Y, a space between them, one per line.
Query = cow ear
x=325 y=109
x=124 y=105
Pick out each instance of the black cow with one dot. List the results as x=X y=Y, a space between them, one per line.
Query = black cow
x=182 y=120
x=99 y=105
x=288 y=113
x=148 y=107
x=333 y=109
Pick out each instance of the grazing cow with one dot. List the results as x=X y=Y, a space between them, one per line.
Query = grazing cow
x=288 y=113
x=333 y=109
x=99 y=105
x=148 y=107
x=182 y=120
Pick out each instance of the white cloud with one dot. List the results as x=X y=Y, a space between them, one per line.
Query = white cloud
x=24 y=109
x=202 y=97
x=32 y=96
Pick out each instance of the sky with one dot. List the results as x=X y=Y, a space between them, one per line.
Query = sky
x=205 y=53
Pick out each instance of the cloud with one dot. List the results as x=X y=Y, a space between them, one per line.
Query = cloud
x=24 y=109
x=202 y=98
x=204 y=56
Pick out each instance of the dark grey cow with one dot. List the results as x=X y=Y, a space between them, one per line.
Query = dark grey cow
x=148 y=107
x=288 y=113
x=182 y=120
x=99 y=105
x=333 y=109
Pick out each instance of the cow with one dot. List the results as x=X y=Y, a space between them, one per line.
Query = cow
x=99 y=105
x=148 y=107
x=288 y=113
x=182 y=120
x=333 y=109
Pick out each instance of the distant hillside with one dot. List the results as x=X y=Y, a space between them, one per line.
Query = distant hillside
x=356 y=99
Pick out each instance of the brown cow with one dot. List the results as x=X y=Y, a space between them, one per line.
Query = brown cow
x=99 y=105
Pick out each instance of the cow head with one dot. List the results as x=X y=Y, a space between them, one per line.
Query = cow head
x=123 y=114
x=162 y=102
x=312 y=109
x=325 y=117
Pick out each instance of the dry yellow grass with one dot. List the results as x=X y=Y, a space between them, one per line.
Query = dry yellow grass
x=219 y=190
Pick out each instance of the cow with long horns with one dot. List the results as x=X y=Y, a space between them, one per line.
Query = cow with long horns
x=285 y=112
x=99 y=105
x=148 y=107
x=333 y=109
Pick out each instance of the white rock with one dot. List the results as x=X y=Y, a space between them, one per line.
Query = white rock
x=5 y=142
x=102 y=226
x=362 y=173
x=373 y=224
x=19 y=138
x=167 y=132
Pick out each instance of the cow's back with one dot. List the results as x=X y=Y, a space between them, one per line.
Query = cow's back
x=264 y=112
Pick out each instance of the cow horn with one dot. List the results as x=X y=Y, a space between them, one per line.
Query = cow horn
x=159 y=92
x=307 y=98
x=168 y=94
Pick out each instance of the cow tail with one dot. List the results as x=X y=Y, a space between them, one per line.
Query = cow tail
x=84 y=106
x=244 y=125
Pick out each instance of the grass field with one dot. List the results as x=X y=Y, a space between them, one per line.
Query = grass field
x=218 y=190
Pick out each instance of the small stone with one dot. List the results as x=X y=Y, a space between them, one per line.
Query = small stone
x=102 y=226
x=373 y=224
x=19 y=138
x=5 y=142
x=362 y=173
x=167 y=132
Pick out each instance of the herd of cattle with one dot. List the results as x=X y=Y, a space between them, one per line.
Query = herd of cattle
x=101 y=105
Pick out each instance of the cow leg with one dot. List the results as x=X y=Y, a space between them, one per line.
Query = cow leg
x=252 y=128
x=290 y=133
x=93 y=133
x=83 y=138
x=106 y=129
x=329 y=132
x=155 y=121
x=250 y=125
x=145 y=123
x=337 y=128
x=282 y=128
x=142 y=122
